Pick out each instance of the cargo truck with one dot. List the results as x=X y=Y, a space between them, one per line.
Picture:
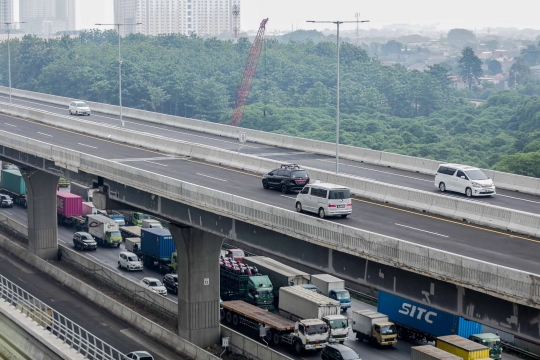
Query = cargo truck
x=299 y=303
x=130 y=232
x=374 y=327
x=83 y=191
x=14 y=186
x=307 y=334
x=151 y=224
x=62 y=182
x=241 y=282
x=133 y=245
x=135 y=218
x=332 y=287
x=235 y=254
x=88 y=208
x=492 y=341
x=421 y=322
x=115 y=215
x=68 y=208
x=428 y=352
x=103 y=229
x=464 y=348
x=158 y=250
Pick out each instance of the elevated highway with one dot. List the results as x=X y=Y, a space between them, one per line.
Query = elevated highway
x=79 y=160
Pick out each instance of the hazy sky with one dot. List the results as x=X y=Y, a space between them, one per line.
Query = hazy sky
x=446 y=14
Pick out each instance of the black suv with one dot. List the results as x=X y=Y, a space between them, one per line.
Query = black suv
x=84 y=241
x=170 y=281
x=289 y=177
x=338 y=352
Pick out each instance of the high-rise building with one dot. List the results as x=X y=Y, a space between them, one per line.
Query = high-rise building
x=203 y=17
x=46 y=17
x=7 y=14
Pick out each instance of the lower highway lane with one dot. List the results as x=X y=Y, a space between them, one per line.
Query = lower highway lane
x=484 y=244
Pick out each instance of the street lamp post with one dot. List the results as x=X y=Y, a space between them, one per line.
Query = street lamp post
x=337 y=106
x=120 y=68
x=9 y=54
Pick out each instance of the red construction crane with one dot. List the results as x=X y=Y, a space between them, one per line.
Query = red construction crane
x=249 y=74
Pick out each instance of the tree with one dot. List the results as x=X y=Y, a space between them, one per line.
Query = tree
x=470 y=66
x=460 y=37
x=519 y=72
x=494 y=67
x=527 y=164
x=531 y=54
x=492 y=45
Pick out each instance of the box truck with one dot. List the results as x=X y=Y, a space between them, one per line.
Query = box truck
x=133 y=245
x=130 y=232
x=374 y=327
x=103 y=229
x=332 y=287
x=464 y=348
x=151 y=223
x=83 y=191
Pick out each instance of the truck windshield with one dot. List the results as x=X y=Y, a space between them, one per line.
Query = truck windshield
x=115 y=234
x=338 y=324
x=237 y=254
x=264 y=292
x=139 y=216
x=388 y=329
x=341 y=295
x=492 y=343
x=316 y=329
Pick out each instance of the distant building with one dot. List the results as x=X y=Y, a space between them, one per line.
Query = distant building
x=202 y=17
x=47 y=17
x=7 y=14
x=535 y=70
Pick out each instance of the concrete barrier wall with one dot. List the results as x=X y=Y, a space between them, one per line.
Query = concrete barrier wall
x=509 y=284
x=426 y=166
x=250 y=348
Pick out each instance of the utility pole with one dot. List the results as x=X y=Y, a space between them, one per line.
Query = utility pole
x=9 y=53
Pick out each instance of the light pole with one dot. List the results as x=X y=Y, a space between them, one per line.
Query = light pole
x=120 y=67
x=9 y=54
x=337 y=107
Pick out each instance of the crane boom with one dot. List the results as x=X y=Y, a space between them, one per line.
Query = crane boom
x=249 y=74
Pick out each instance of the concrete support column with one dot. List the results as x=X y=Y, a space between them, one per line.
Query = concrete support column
x=198 y=284
x=42 y=224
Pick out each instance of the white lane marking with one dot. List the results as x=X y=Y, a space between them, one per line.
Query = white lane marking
x=211 y=177
x=10 y=125
x=384 y=172
x=93 y=147
x=93 y=257
x=44 y=134
x=62 y=241
x=7 y=212
x=429 y=232
x=151 y=162
x=290 y=197
x=516 y=198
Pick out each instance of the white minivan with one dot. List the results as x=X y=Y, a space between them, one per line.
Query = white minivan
x=325 y=199
x=468 y=180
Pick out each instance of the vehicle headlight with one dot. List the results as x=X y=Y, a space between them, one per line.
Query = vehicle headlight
x=476 y=185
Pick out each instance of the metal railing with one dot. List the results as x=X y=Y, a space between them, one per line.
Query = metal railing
x=81 y=340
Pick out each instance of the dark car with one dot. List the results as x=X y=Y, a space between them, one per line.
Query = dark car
x=338 y=352
x=289 y=177
x=6 y=201
x=84 y=241
x=170 y=281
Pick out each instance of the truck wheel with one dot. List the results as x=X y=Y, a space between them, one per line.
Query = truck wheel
x=298 y=347
x=222 y=314
x=276 y=338
x=402 y=334
x=359 y=336
x=235 y=320
x=269 y=335
x=228 y=317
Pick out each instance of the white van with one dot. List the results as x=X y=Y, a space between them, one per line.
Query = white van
x=325 y=199
x=468 y=180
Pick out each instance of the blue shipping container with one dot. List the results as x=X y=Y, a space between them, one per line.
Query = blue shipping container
x=157 y=242
x=425 y=318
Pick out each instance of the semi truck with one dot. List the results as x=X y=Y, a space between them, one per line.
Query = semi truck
x=307 y=334
x=68 y=208
x=299 y=303
x=133 y=218
x=151 y=224
x=158 y=250
x=130 y=232
x=464 y=348
x=133 y=245
x=88 y=208
x=492 y=341
x=421 y=322
x=83 y=191
x=428 y=352
x=103 y=229
x=13 y=185
x=374 y=327
x=332 y=287
x=115 y=215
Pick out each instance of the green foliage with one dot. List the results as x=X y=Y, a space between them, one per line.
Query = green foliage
x=525 y=164
x=460 y=37
x=494 y=67
x=470 y=66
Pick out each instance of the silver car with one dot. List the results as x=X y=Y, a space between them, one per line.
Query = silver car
x=79 y=108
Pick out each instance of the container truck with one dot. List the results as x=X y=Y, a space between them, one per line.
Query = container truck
x=421 y=322
x=14 y=186
x=236 y=254
x=68 y=208
x=299 y=303
x=88 y=208
x=464 y=348
x=151 y=223
x=133 y=245
x=135 y=218
x=492 y=341
x=103 y=229
x=83 y=191
x=307 y=334
x=428 y=352
x=158 y=250
x=332 y=287
x=115 y=215
x=374 y=327
x=241 y=282
x=130 y=232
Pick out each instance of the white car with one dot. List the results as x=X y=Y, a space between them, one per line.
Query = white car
x=325 y=200
x=129 y=261
x=154 y=284
x=79 y=108
x=139 y=355
x=467 y=180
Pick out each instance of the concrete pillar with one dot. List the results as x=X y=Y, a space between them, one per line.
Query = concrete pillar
x=42 y=225
x=198 y=284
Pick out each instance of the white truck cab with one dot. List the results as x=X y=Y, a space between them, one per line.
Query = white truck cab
x=339 y=328
x=309 y=334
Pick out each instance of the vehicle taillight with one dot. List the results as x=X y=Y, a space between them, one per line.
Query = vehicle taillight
x=349 y=204
x=331 y=205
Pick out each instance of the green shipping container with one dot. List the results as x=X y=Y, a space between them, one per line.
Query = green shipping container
x=12 y=180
